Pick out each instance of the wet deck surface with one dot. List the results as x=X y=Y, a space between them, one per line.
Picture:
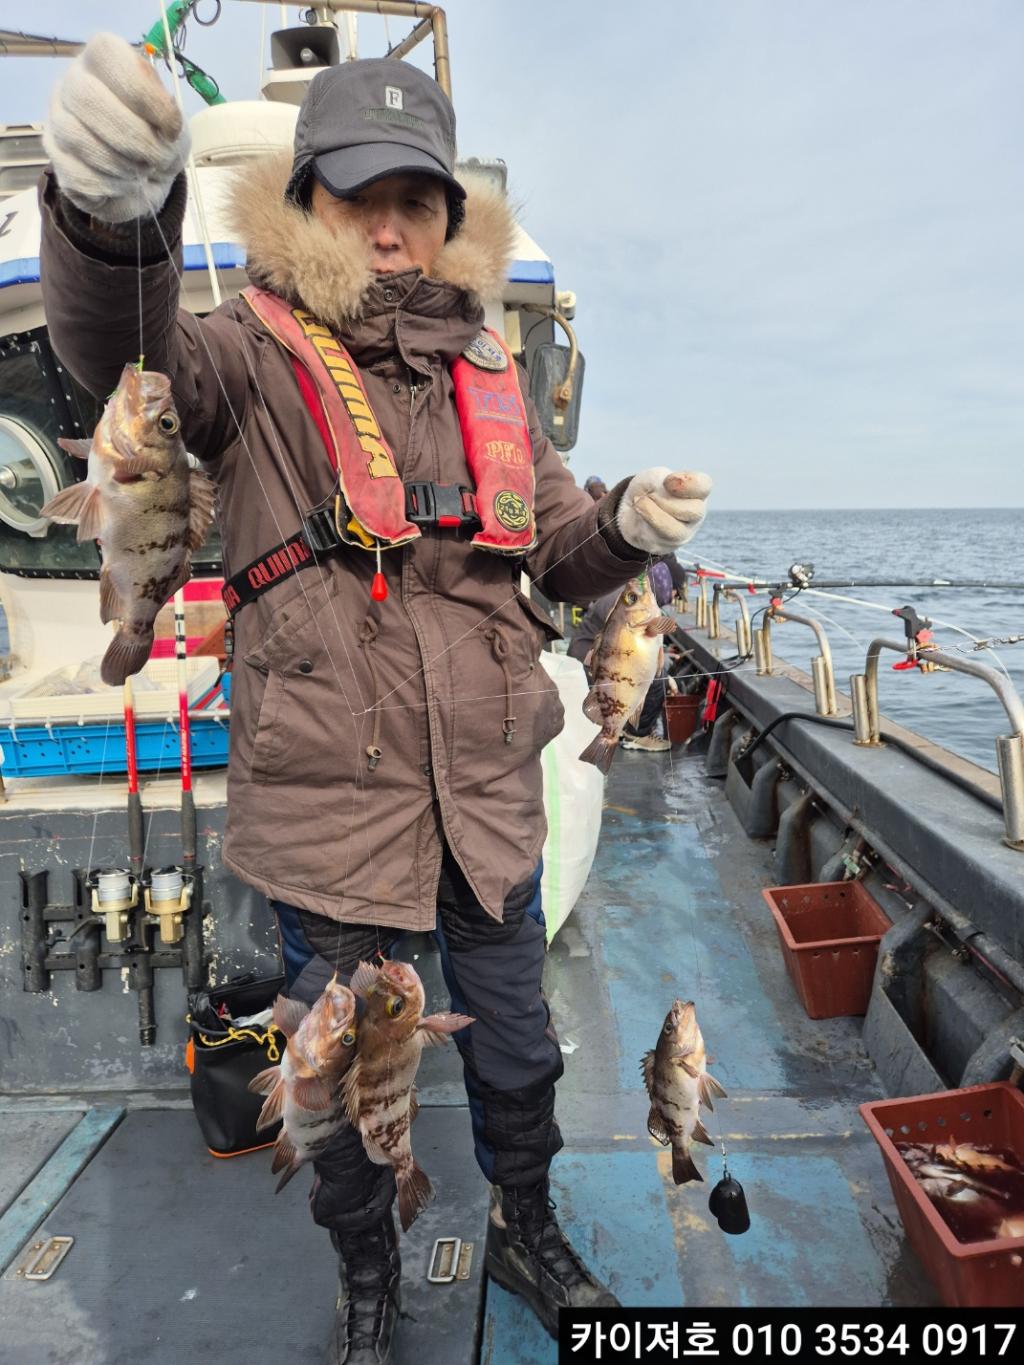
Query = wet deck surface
x=674 y=907
x=179 y=1256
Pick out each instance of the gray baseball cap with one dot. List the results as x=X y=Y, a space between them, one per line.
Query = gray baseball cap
x=361 y=121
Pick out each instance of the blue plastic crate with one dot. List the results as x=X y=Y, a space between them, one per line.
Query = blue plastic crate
x=100 y=747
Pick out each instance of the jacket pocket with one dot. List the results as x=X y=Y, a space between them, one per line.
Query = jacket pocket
x=264 y=762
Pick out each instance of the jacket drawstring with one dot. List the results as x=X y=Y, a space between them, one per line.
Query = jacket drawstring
x=499 y=648
x=367 y=640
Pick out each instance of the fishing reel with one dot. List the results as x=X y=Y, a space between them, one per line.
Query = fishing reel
x=800 y=575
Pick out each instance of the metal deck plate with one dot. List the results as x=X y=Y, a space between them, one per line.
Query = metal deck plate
x=179 y=1256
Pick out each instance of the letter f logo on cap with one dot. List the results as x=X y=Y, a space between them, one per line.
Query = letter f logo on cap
x=392 y=97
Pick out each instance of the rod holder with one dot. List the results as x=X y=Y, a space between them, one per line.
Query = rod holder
x=861 y=722
x=762 y=650
x=1010 y=753
x=701 y=607
x=743 y=640
x=821 y=685
x=715 y=613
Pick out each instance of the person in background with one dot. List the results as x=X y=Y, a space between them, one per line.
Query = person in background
x=597 y=488
x=642 y=736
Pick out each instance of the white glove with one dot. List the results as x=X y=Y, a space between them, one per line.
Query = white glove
x=660 y=510
x=115 y=136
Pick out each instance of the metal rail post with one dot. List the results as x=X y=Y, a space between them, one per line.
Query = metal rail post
x=743 y=643
x=1009 y=748
x=821 y=665
x=715 y=616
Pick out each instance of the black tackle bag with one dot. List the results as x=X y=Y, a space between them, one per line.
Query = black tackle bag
x=222 y=1058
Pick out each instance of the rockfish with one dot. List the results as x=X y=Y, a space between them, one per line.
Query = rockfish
x=675 y=1073
x=979 y=1192
x=625 y=660
x=379 y=1094
x=305 y=1090
x=144 y=504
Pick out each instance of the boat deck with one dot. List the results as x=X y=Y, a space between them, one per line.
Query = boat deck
x=180 y=1256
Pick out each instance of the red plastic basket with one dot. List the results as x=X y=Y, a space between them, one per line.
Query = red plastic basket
x=967 y=1274
x=829 y=932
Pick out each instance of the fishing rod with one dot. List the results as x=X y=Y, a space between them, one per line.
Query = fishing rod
x=188 y=805
x=804 y=576
x=135 y=825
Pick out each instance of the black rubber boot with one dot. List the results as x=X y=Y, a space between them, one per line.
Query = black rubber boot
x=529 y=1255
x=370 y=1273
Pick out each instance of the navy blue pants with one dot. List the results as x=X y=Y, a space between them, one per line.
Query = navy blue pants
x=510 y=1055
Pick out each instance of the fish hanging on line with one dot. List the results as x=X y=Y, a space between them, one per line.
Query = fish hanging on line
x=145 y=505
x=379 y=1095
x=677 y=1080
x=305 y=1090
x=626 y=658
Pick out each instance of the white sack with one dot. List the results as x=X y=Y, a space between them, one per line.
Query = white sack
x=573 y=797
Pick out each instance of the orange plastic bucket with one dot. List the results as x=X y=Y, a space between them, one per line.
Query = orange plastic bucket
x=681 y=715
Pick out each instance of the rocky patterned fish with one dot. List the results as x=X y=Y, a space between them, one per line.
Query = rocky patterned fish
x=677 y=1080
x=144 y=504
x=624 y=662
x=379 y=1094
x=978 y=1191
x=305 y=1090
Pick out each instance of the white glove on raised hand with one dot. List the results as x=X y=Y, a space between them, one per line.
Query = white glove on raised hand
x=660 y=511
x=115 y=136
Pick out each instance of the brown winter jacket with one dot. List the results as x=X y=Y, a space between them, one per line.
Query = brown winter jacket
x=323 y=673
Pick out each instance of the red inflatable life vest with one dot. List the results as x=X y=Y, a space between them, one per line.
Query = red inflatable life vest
x=492 y=418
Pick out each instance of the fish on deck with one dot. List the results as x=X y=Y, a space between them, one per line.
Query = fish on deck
x=145 y=505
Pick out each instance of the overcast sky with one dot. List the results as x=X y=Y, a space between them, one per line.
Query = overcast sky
x=795 y=227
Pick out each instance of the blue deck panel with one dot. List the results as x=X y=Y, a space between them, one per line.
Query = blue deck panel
x=621 y=1201
x=674 y=907
x=679 y=918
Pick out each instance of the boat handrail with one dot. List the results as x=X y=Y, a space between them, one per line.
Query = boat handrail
x=821 y=665
x=1009 y=748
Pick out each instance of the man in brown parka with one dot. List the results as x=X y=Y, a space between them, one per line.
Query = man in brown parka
x=385 y=754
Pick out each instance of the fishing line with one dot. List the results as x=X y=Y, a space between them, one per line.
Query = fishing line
x=857 y=602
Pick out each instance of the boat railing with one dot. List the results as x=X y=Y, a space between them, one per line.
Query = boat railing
x=822 y=671
x=1009 y=748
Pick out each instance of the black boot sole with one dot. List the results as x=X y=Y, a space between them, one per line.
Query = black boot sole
x=525 y=1291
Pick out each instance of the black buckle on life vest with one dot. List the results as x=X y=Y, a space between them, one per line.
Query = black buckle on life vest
x=320 y=529
x=441 y=504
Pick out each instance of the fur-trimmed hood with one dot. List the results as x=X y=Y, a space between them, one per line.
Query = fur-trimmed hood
x=328 y=270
